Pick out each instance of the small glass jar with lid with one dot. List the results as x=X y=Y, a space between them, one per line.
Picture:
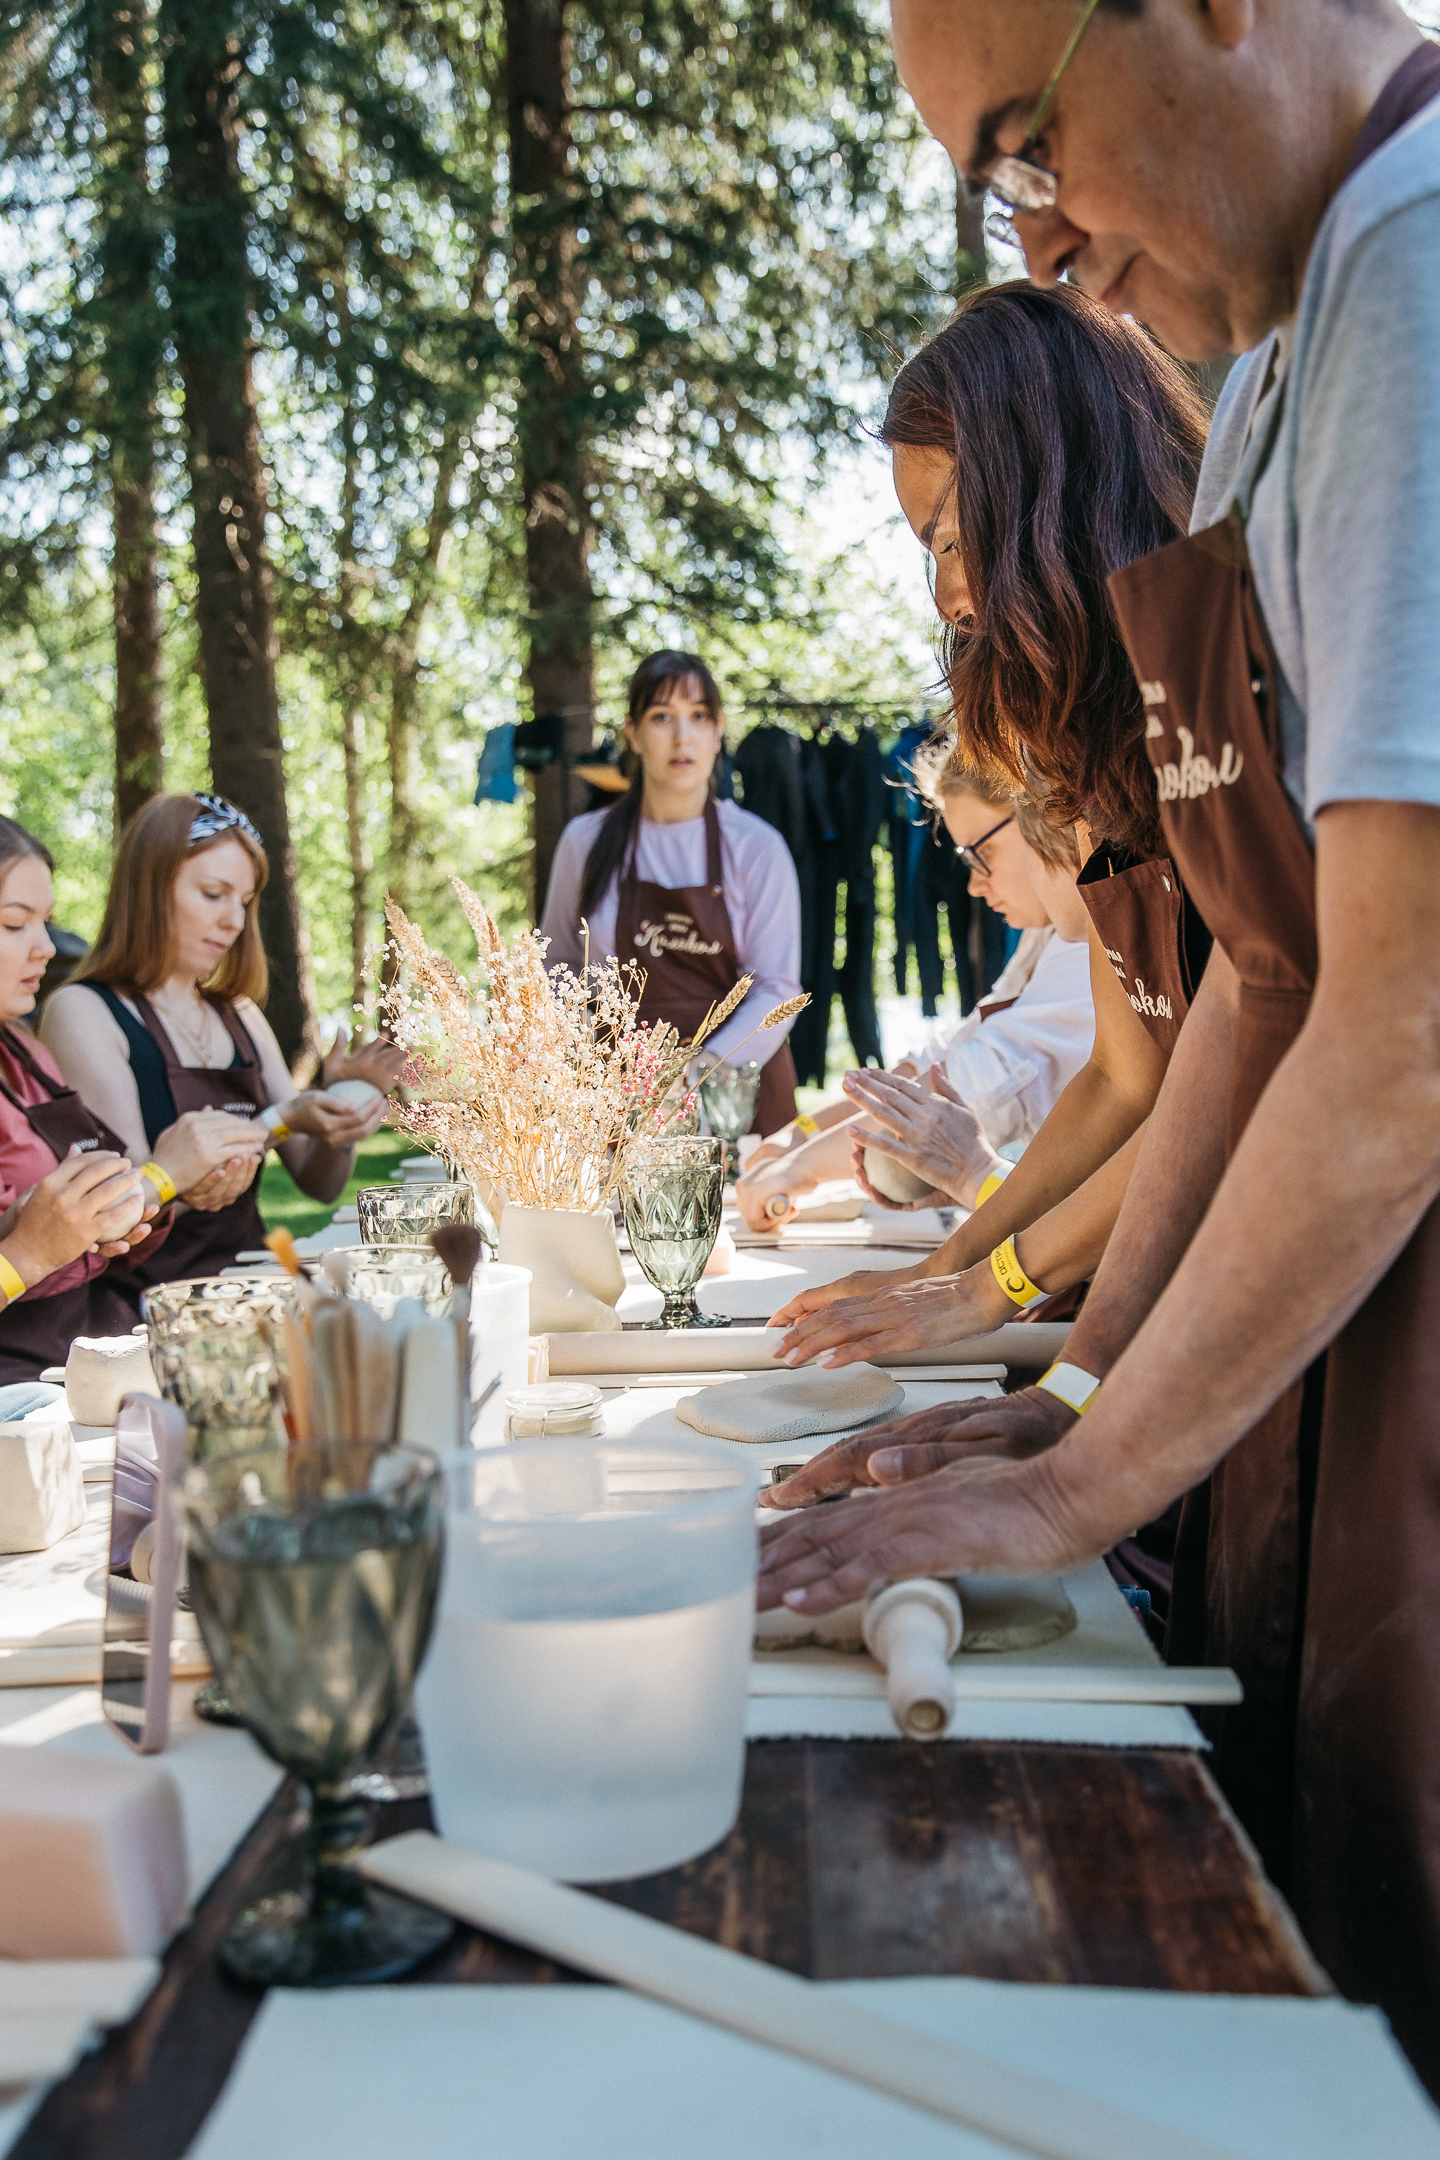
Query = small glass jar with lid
x=554 y=1410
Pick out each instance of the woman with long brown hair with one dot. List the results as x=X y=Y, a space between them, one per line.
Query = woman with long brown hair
x=695 y=891
x=1039 y=443
x=161 y=1032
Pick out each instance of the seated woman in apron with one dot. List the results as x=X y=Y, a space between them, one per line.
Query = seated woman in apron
x=161 y=1032
x=72 y=1206
x=987 y=1080
x=694 y=891
x=1024 y=503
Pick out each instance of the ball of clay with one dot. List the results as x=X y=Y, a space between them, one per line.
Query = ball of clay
x=893 y=1179
x=354 y=1094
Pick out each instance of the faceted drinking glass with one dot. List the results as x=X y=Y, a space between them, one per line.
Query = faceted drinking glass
x=380 y=1275
x=314 y=1575
x=672 y=1194
x=217 y=1349
x=730 y=1093
x=406 y=1214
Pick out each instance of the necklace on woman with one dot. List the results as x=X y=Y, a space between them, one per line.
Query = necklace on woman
x=198 y=1046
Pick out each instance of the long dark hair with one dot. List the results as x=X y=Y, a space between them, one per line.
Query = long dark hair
x=1076 y=445
x=651 y=680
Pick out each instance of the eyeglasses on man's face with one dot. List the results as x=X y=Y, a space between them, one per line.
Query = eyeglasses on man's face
x=1017 y=182
x=972 y=857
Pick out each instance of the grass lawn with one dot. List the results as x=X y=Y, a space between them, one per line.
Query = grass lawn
x=285 y=1207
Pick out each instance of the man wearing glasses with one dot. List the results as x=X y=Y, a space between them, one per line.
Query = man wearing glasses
x=1262 y=177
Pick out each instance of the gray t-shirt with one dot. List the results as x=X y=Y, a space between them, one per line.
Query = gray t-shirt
x=1343 y=523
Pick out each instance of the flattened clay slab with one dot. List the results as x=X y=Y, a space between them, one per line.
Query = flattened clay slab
x=1001 y=1612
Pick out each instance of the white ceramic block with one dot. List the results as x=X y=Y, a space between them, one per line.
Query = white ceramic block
x=42 y=1487
x=102 y=1368
x=92 y=1856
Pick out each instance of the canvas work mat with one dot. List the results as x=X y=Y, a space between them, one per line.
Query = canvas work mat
x=554 y=2071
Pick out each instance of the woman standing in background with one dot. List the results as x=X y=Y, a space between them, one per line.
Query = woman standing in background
x=694 y=891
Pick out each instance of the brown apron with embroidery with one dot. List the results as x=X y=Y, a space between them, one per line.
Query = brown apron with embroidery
x=1139 y=913
x=37 y=1331
x=201 y=1243
x=1311 y=1559
x=681 y=936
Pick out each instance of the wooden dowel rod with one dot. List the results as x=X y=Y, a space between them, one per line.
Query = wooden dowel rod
x=1028 y=2113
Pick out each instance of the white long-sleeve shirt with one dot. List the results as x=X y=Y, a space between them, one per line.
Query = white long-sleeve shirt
x=1011 y=1068
x=762 y=896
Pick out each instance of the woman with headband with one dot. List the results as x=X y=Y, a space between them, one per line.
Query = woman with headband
x=160 y=1030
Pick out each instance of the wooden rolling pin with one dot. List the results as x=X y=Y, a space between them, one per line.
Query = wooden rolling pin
x=913 y=1629
x=1028 y=2113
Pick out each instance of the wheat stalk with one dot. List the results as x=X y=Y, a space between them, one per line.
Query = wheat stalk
x=531 y=1079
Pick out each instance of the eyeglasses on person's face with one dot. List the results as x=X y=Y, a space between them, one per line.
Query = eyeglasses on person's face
x=972 y=857
x=1018 y=182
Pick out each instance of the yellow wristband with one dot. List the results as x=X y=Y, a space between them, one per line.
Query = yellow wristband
x=1011 y=1276
x=990 y=1187
x=12 y=1282
x=807 y=1124
x=1072 y=1384
x=161 y=1179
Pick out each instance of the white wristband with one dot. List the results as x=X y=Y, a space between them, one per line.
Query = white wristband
x=274 y=1123
x=1072 y=1384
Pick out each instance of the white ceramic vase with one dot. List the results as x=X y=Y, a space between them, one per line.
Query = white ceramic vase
x=574 y=1262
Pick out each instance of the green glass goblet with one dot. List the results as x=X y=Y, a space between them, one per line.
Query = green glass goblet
x=671 y=1195
x=314 y=1575
x=730 y=1093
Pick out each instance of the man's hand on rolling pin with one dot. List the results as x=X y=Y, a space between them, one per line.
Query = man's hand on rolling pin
x=754 y=1196
x=978 y=1517
x=1011 y=1428
x=860 y=1284
x=908 y=1316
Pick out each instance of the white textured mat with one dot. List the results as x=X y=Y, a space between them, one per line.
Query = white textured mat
x=463 y=2073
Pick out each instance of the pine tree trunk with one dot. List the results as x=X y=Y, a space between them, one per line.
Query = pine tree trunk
x=560 y=668
x=351 y=686
x=129 y=255
x=210 y=310
x=405 y=674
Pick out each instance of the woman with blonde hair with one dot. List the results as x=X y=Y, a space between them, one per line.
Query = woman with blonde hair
x=160 y=1030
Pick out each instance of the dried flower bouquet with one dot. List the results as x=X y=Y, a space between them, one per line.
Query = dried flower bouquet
x=535 y=1082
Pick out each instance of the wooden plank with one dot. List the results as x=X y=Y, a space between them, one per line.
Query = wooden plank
x=851 y=1859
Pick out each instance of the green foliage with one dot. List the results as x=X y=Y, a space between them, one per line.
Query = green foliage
x=751 y=232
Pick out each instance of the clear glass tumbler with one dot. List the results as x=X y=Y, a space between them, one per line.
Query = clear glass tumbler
x=583 y=1703
x=406 y=1214
x=672 y=1194
x=380 y=1275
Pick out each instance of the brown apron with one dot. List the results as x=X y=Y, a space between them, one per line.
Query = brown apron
x=36 y=1331
x=681 y=936
x=1311 y=1560
x=1139 y=913
x=201 y=1243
